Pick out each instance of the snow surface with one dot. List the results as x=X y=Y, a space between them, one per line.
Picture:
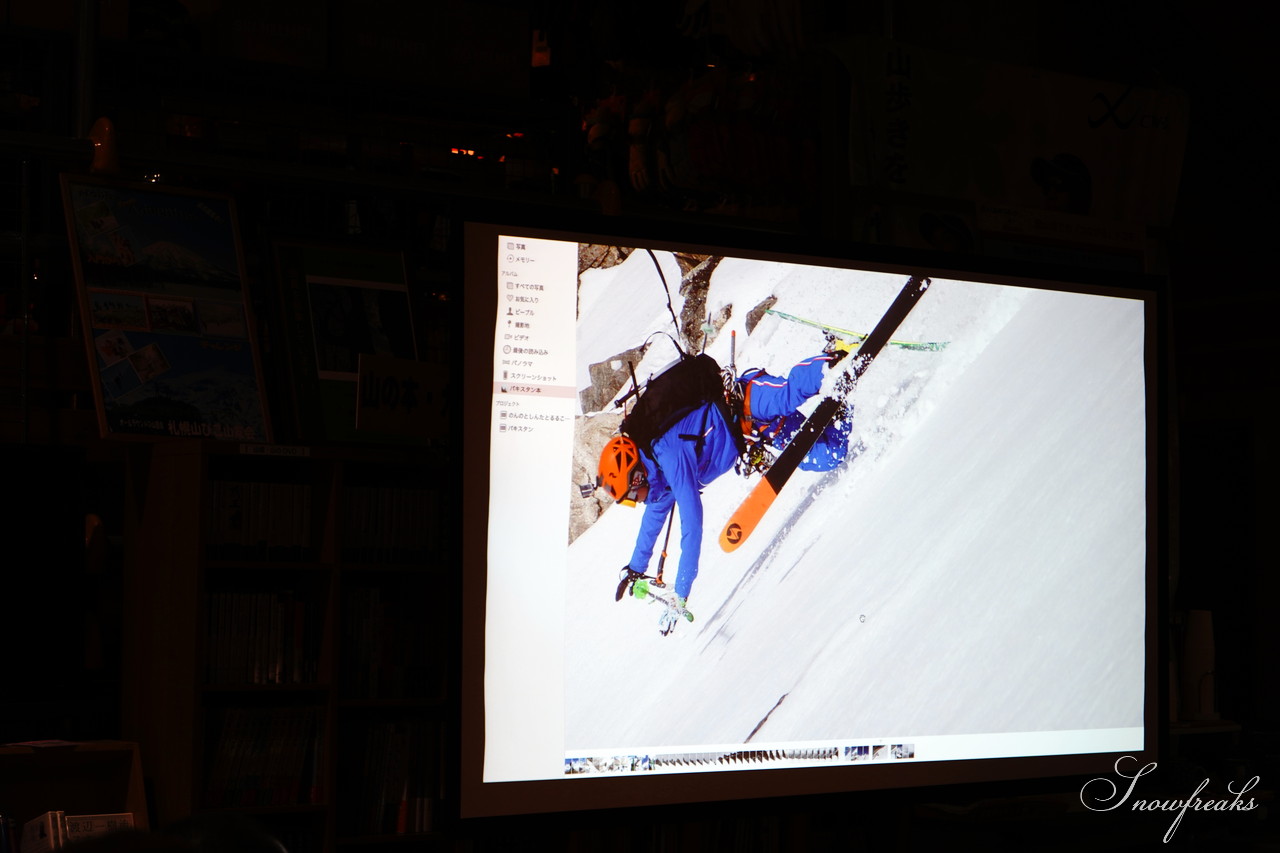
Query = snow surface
x=979 y=567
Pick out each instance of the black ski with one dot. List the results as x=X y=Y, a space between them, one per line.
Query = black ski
x=748 y=514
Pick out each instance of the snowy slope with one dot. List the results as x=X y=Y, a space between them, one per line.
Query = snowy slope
x=966 y=573
x=620 y=306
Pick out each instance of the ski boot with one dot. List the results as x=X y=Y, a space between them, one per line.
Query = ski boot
x=838 y=348
x=756 y=460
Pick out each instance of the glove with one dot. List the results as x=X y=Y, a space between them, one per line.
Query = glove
x=671 y=616
x=629 y=577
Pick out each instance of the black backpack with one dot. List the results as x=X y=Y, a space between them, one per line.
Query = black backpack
x=692 y=381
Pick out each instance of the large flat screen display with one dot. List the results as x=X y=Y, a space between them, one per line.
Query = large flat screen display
x=950 y=581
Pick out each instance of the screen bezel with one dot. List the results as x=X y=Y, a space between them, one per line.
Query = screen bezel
x=479 y=799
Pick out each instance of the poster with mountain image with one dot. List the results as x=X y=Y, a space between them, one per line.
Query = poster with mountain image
x=167 y=325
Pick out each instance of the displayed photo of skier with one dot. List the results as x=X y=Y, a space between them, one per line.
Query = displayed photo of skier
x=952 y=477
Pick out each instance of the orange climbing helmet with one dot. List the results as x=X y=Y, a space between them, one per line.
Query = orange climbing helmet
x=622 y=473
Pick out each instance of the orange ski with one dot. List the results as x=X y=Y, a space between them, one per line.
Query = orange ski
x=747 y=515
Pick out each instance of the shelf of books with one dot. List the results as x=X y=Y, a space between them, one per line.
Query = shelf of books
x=290 y=639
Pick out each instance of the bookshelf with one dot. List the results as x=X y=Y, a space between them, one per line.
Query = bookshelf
x=289 y=639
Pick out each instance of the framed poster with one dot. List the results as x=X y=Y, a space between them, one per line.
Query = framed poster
x=168 y=329
x=339 y=304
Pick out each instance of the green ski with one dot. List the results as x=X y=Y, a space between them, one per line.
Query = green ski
x=928 y=346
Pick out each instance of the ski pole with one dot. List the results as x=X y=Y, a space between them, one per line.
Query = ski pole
x=733 y=352
x=662 y=558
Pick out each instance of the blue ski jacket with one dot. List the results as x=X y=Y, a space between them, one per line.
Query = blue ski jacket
x=682 y=465
x=677 y=474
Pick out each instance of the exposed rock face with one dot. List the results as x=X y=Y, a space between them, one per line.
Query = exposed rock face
x=589 y=437
x=608 y=378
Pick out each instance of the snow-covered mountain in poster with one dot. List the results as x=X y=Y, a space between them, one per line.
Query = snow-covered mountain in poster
x=978 y=567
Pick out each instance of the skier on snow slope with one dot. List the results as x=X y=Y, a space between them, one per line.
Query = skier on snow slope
x=700 y=447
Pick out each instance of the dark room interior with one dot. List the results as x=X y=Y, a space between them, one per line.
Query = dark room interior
x=331 y=139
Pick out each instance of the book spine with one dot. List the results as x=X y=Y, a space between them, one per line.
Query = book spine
x=80 y=827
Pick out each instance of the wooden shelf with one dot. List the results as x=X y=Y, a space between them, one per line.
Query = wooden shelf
x=91 y=777
x=261 y=683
